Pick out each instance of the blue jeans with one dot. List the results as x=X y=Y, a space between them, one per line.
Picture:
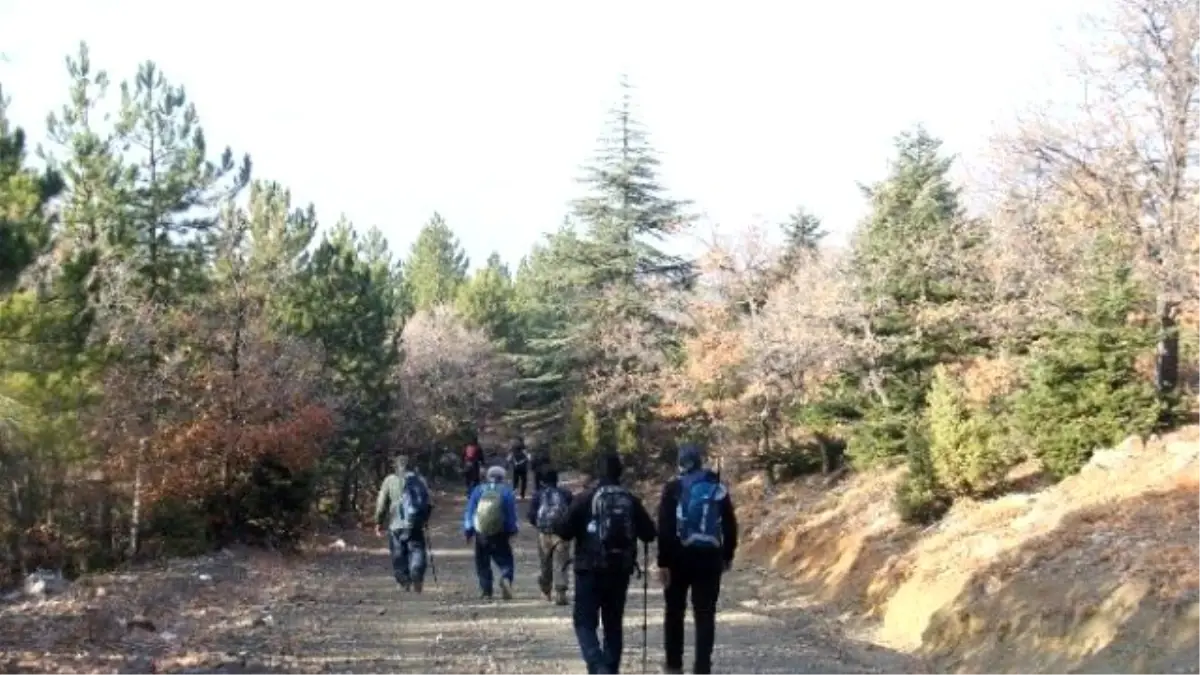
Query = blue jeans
x=408 y=555
x=490 y=550
x=600 y=600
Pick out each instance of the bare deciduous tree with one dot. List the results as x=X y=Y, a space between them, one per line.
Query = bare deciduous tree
x=1132 y=152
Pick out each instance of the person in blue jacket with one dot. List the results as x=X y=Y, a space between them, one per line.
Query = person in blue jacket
x=491 y=521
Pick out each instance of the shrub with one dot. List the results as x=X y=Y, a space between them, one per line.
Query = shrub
x=966 y=447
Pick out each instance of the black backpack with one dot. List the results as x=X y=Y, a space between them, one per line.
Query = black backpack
x=615 y=548
x=551 y=508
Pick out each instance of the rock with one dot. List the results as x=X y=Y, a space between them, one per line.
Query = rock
x=382 y=611
x=44 y=582
x=338 y=545
x=204 y=577
x=139 y=664
x=142 y=623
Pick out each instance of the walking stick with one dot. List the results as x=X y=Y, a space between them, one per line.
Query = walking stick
x=645 y=598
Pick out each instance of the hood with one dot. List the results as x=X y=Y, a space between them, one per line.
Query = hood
x=691 y=458
x=609 y=467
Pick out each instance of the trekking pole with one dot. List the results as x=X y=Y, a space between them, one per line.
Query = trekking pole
x=645 y=598
x=432 y=563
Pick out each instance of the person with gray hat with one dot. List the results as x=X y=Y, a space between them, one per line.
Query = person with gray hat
x=696 y=543
x=403 y=507
x=490 y=520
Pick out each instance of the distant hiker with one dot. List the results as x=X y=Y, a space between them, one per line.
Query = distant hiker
x=518 y=464
x=472 y=465
x=491 y=520
x=605 y=523
x=697 y=539
x=540 y=464
x=550 y=505
x=403 y=507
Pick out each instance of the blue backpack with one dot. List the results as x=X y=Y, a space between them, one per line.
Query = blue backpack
x=413 y=509
x=698 y=521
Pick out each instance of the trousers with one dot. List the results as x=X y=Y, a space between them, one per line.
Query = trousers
x=705 y=587
x=407 y=551
x=600 y=601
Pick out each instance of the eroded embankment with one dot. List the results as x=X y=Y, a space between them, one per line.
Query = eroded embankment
x=1097 y=573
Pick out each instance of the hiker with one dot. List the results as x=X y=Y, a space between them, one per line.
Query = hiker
x=605 y=523
x=472 y=465
x=540 y=464
x=491 y=520
x=403 y=507
x=518 y=465
x=549 y=505
x=697 y=539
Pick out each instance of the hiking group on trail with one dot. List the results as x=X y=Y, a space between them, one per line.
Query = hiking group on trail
x=696 y=532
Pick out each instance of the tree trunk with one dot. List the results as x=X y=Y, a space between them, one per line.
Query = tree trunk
x=1166 y=358
x=135 y=521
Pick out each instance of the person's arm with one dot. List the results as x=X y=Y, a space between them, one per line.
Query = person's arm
x=429 y=505
x=511 y=520
x=668 y=542
x=642 y=522
x=574 y=521
x=729 y=526
x=469 y=513
x=383 y=502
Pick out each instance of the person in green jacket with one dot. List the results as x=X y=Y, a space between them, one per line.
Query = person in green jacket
x=403 y=507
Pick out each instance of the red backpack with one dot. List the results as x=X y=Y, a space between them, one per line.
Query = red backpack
x=472 y=453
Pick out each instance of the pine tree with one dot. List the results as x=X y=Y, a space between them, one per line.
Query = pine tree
x=486 y=300
x=802 y=235
x=436 y=265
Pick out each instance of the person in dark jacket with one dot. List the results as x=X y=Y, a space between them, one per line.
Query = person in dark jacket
x=696 y=561
x=472 y=465
x=603 y=570
x=518 y=466
x=540 y=464
x=549 y=505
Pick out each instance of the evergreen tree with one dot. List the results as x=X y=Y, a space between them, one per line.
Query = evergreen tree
x=436 y=265
x=802 y=235
x=914 y=253
x=486 y=300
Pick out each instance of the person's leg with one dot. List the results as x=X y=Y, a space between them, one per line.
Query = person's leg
x=483 y=566
x=706 y=589
x=562 y=555
x=546 y=573
x=502 y=555
x=417 y=560
x=398 y=551
x=523 y=477
x=612 y=617
x=586 y=620
x=675 y=601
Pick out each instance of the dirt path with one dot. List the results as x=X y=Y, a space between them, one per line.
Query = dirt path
x=337 y=609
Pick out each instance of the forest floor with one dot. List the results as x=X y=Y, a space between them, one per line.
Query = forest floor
x=335 y=608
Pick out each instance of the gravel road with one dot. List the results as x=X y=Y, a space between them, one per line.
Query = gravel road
x=352 y=617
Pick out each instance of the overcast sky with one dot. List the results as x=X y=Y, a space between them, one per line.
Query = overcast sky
x=484 y=111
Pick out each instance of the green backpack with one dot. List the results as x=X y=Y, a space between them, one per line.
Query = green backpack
x=489 y=512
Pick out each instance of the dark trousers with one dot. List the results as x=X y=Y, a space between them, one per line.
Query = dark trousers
x=520 y=482
x=408 y=555
x=471 y=482
x=489 y=550
x=705 y=587
x=600 y=600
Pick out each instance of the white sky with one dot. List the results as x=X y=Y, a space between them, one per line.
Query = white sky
x=484 y=111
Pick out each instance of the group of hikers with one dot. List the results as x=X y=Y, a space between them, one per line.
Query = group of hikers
x=696 y=531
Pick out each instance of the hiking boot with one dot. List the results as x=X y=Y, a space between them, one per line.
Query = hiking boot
x=506 y=589
x=546 y=594
x=560 y=598
x=485 y=595
x=405 y=585
x=417 y=586
x=671 y=670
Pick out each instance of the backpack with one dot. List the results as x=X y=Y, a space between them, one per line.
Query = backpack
x=612 y=528
x=520 y=460
x=551 y=508
x=471 y=454
x=698 y=521
x=489 y=511
x=413 y=509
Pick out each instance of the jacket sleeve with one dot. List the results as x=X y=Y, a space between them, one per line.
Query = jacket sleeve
x=383 y=502
x=643 y=523
x=511 y=520
x=574 y=522
x=429 y=504
x=534 y=505
x=730 y=526
x=668 y=542
x=469 y=512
